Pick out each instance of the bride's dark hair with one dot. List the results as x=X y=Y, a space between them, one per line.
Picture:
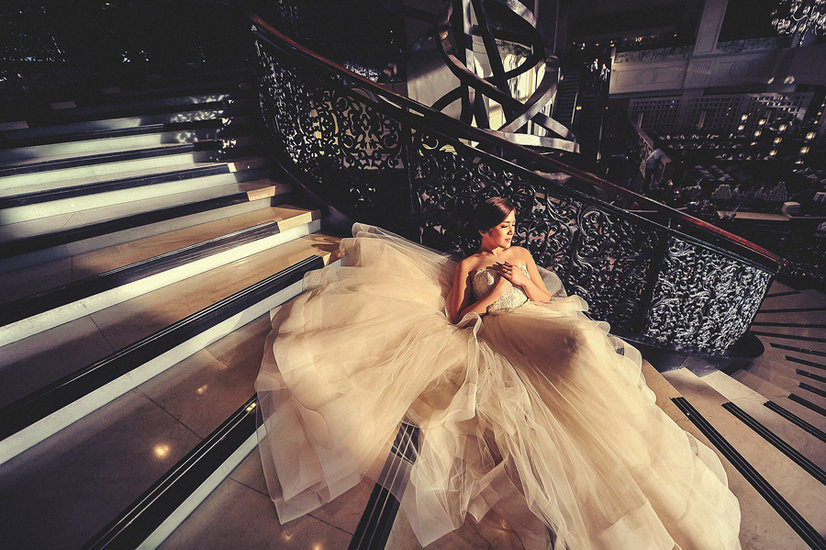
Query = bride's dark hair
x=490 y=213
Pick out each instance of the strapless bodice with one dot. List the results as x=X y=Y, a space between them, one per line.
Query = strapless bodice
x=485 y=279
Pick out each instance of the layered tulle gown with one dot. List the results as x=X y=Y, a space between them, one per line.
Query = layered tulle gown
x=535 y=412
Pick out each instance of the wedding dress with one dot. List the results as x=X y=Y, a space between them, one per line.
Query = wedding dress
x=533 y=410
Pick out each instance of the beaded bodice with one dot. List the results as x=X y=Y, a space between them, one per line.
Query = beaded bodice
x=485 y=279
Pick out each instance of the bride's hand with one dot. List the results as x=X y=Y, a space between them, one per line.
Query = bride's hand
x=512 y=273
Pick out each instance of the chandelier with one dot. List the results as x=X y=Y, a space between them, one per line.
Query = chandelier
x=800 y=17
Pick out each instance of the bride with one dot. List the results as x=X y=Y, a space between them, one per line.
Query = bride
x=526 y=406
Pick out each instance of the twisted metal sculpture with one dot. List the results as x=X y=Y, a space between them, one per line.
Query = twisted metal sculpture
x=472 y=17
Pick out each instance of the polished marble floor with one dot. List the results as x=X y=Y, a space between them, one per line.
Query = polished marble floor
x=74 y=480
x=240 y=514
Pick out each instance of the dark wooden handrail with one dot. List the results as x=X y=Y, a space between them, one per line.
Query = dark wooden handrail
x=455 y=127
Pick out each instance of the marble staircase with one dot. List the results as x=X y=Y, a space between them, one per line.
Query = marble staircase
x=144 y=237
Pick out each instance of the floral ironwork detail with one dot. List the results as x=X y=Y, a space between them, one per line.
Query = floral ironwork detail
x=702 y=298
x=350 y=150
x=379 y=164
x=600 y=255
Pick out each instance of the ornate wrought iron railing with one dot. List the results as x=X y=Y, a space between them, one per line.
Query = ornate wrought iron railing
x=667 y=279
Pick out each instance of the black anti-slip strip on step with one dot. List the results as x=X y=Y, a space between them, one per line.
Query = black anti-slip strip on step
x=68 y=192
x=72 y=292
x=811 y=468
x=140 y=519
x=49 y=240
x=804 y=362
x=377 y=520
x=796 y=420
x=799 y=350
x=779 y=294
x=808 y=374
x=789 y=325
x=814 y=390
x=791 y=516
x=103 y=158
x=790 y=336
x=102 y=133
x=47 y=400
x=791 y=310
x=808 y=404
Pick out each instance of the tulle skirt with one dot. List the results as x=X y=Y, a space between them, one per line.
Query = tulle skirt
x=539 y=414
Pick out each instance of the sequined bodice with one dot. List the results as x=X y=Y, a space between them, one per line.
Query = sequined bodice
x=485 y=279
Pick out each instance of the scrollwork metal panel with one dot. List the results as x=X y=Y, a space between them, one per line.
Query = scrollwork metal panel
x=352 y=152
x=599 y=255
x=379 y=164
x=702 y=298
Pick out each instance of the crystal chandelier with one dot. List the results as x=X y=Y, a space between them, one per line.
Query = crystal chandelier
x=800 y=17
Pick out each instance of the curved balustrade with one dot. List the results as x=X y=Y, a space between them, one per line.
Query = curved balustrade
x=385 y=159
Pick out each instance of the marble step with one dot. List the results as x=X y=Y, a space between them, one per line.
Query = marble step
x=753 y=403
x=44 y=204
x=146 y=336
x=791 y=299
x=104 y=461
x=790 y=376
x=783 y=397
x=94 y=166
x=110 y=141
x=71 y=110
x=30 y=315
x=762 y=526
x=50 y=275
x=240 y=514
x=36 y=241
x=33 y=192
x=24 y=134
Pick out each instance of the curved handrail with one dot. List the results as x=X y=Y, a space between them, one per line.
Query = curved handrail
x=676 y=220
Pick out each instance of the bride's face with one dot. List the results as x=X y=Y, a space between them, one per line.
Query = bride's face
x=501 y=234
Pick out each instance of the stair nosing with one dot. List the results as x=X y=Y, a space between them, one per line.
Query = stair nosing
x=41 y=302
x=791 y=516
x=796 y=456
x=53 y=397
x=117 y=184
x=135 y=523
x=102 y=158
x=107 y=133
x=44 y=241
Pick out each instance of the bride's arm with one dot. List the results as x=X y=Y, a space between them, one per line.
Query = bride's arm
x=460 y=304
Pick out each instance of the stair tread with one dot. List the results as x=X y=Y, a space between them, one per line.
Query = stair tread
x=752 y=402
x=82 y=159
x=240 y=514
x=81 y=218
x=803 y=298
x=766 y=529
x=144 y=432
x=90 y=338
x=232 y=166
x=53 y=274
x=134 y=106
x=67 y=147
x=51 y=178
x=780 y=396
x=116 y=123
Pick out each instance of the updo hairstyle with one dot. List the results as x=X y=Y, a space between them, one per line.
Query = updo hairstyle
x=490 y=213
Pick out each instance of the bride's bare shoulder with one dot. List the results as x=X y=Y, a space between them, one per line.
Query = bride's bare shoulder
x=471 y=263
